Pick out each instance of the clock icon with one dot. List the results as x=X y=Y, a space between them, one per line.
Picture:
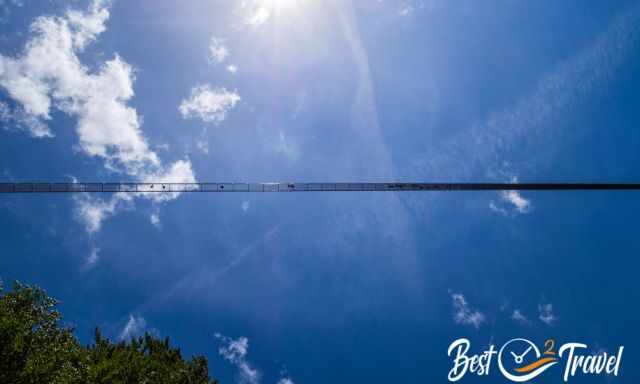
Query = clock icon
x=520 y=360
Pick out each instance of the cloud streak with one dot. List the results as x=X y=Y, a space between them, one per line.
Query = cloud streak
x=464 y=314
x=479 y=151
x=205 y=278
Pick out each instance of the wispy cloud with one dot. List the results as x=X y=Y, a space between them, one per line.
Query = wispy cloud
x=546 y=315
x=258 y=16
x=464 y=314
x=521 y=204
x=286 y=147
x=5 y=113
x=218 y=51
x=480 y=150
x=235 y=352
x=408 y=7
x=19 y=120
x=203 y=144
x=208 y=104
x=511 y=202
x=154 y=218
x=519 y=317
x=135 y=326
x=93 y=211
x=93 y=257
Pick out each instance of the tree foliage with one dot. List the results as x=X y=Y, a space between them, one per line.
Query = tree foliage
x=35 y=348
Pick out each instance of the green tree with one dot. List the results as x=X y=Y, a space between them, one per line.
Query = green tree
x=36 y=349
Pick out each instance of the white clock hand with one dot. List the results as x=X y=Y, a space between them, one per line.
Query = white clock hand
x=525 y=352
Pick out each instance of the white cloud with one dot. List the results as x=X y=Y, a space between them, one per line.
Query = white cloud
x=92 y=211
x=285 y=380
x=93 y=256
x=255 y=13
x=511 y=202
x=232 y=68
x=36 y=128
x=203 y=145
x=86 y=27
x=49 y=74
x=518 y=317
x=218 y=51
x=407 y=7
x=285 y=147
x=405 y=10
x=134 y=327
x=48 y=67
x=498 y=208
x=521 y=204
x=235 y=352
x=5 y=112
x=178 y=172
x=18 y=119
x=464 y=314
x=259 y=16
x=245 y=206
x=154 y=218
x=209 y=105
x=546 y=314
x=163 y=147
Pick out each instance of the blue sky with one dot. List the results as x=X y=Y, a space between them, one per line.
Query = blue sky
x=318 y=288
